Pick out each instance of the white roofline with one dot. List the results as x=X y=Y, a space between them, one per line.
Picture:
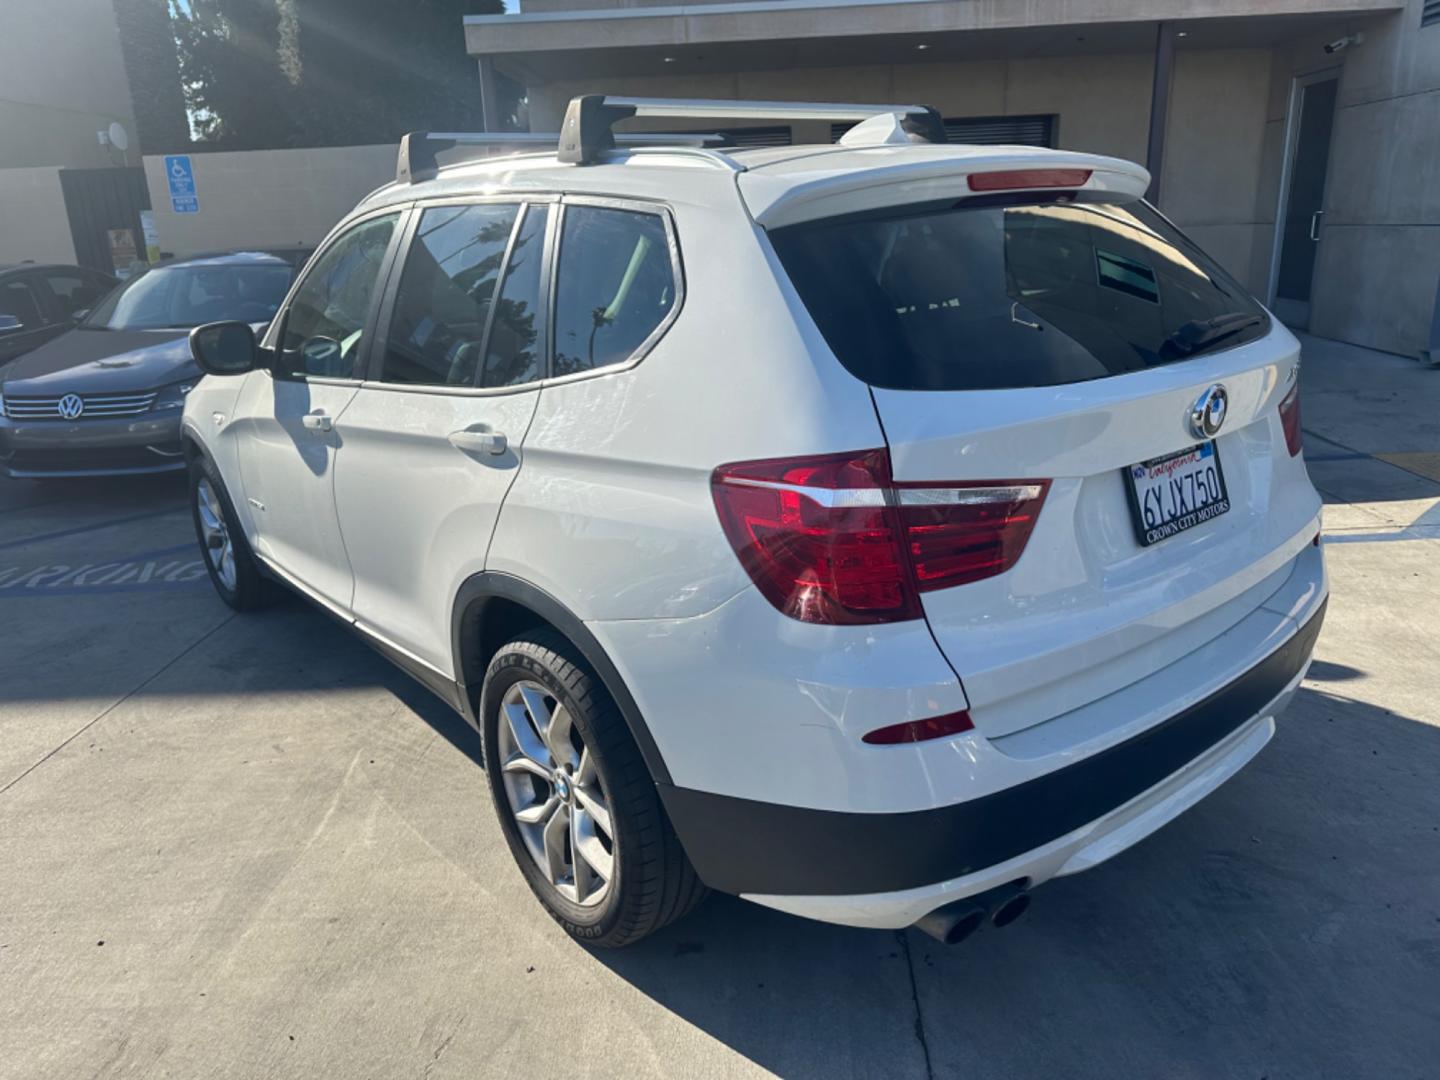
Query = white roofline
x=736 y=7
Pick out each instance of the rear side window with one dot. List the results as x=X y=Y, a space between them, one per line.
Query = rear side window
x=18 y=301
x=76 y=291
x=998 y=297
x=614 y=288
x=446 y=291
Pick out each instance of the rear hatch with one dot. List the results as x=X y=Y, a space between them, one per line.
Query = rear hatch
x=1090 y=424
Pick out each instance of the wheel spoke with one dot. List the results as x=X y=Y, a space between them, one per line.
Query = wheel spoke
x=537 y=812
x=557 y=831
x=585 y=877
x=519 y=763
x=589 y=851
x=526 y=741
x=594 y=805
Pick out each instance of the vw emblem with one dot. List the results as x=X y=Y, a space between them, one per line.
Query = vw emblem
x=1208 y=413
x=71 y=406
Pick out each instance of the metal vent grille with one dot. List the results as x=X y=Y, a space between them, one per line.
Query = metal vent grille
x=1038 y=130
x=1430 y=13
x=96 y=406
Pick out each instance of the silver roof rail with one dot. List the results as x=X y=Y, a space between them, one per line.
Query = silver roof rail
x=418 y=149
x=586 y=132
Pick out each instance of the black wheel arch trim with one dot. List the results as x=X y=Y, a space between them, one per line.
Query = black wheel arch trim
x=746 y=846
x=467 y=617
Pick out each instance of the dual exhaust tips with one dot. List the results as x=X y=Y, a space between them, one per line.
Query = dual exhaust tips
x=956 y=921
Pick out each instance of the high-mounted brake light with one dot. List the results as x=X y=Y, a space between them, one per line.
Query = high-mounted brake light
x=1290 y=419
x=833 y=539
x=1011 y=179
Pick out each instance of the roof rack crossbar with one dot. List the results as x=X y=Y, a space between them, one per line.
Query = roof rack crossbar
x=586 y=132
x=419 y=149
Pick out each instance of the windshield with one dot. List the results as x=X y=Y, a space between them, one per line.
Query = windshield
x=983 y=297
x=181 y=297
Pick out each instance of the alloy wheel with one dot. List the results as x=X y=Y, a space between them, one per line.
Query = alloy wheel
x=219 y=549
x=555 y=795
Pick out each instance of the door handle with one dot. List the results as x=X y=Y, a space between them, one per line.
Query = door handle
x=317 y=420
x=1315 y=225
x=487 y=442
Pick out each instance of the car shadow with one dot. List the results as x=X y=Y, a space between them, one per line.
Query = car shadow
x=1287 y=925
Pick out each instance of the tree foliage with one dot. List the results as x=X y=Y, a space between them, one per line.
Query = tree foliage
x=277 y=73
x=147 y=46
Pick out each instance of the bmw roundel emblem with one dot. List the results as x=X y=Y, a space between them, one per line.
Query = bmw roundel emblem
x=71 y=406
x=1207 y=415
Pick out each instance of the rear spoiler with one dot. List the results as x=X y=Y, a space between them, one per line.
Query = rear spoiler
x=776 y=200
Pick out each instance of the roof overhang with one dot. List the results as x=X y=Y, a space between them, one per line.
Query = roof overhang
x=688 y=39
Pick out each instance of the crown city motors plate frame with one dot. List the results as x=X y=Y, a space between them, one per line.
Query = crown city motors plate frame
x=1176 y=492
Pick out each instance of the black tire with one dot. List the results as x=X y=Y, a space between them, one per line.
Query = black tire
x=653 y=882
x=251 y=590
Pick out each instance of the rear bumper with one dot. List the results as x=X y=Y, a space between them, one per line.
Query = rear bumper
x=124 y=446
x=888 y=869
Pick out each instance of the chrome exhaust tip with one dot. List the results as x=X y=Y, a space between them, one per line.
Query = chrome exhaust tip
x=952 y=923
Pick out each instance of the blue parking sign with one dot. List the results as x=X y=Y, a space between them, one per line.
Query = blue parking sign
x=180 y=177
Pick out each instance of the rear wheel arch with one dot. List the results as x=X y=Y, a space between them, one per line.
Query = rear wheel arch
x=491 y=609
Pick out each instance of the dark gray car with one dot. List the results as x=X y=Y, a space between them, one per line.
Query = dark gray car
x=39 y=302
x=105 y=398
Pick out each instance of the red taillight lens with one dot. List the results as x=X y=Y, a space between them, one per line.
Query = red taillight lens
x=1010 y=179
x=832 y=540
x=932 y=727
x=962 y=533
x=1290 y=419
x=818 y=536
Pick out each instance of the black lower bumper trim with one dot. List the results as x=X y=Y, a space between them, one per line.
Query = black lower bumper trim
x=744 y=846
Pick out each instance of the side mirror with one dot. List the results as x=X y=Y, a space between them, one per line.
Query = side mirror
x=9 y=324
x=80 y=316
x=224 y=348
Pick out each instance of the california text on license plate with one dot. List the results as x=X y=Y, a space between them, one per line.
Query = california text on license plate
x=1177 y=492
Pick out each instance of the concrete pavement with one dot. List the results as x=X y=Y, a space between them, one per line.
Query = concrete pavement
x=247 y=847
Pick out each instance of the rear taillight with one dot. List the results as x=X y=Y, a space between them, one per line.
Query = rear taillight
x=1290 y=419
x=834 y=540
x=958 y=533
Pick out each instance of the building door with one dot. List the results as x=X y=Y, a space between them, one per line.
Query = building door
x=1302 y=195
x=104 y=209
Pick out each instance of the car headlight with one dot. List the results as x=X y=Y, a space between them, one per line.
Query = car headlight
x=173 y=396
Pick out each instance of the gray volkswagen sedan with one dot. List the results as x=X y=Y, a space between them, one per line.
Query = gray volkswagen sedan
x=105 y=398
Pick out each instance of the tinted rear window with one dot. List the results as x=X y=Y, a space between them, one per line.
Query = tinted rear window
x=997 y=297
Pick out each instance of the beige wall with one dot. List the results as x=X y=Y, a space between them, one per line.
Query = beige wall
x=1378 y=266
x=1215 y=149
x=267 y=198
x=62 y=79
x=33 y=221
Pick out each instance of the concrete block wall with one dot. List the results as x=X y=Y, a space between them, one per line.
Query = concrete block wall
x=34 y=224
x=62 y=80
x=1378 y=266
x=267 y=198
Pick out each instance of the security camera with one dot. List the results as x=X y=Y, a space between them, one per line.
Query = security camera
x=1345 y=42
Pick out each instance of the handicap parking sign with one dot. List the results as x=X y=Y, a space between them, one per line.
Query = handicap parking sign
x=180 y=176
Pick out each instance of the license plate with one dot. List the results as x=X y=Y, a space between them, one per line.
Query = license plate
x=1177 y=492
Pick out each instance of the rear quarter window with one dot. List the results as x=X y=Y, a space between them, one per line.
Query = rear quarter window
x=977 y=297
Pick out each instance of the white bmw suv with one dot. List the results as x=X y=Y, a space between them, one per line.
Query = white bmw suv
x=874 y=531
